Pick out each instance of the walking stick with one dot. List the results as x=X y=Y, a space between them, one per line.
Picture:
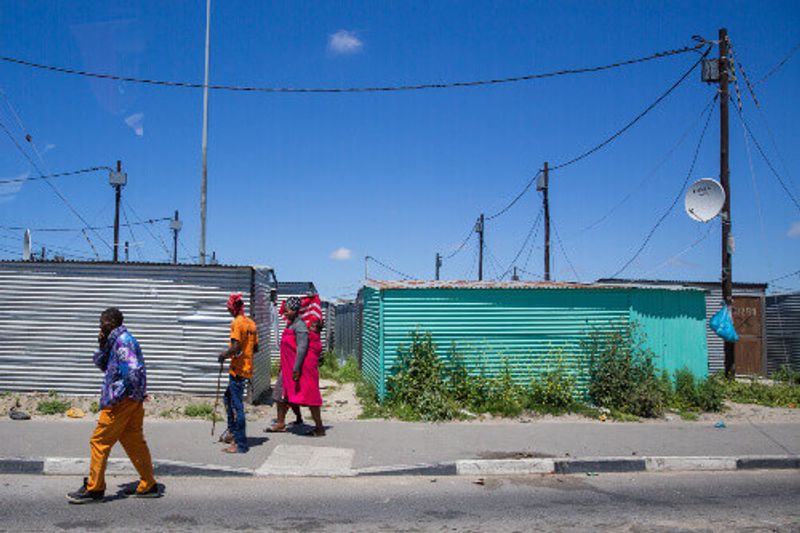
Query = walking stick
x=216 y=400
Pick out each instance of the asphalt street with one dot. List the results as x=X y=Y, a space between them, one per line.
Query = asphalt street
x=730 y=501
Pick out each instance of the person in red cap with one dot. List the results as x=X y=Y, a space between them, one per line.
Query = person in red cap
x=243 y=343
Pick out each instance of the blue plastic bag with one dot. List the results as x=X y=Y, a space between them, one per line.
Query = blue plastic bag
x=722 y=324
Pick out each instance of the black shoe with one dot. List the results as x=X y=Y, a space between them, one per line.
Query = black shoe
x=85 y=496
x=152 y=493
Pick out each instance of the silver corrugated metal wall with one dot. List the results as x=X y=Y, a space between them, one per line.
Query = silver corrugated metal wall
x=783 y=331
x=49 y=315
x=348 y=330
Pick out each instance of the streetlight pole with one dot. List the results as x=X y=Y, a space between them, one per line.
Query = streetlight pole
x=203 y=179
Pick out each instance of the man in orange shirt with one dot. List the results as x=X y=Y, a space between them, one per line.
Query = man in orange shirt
x=243 y=343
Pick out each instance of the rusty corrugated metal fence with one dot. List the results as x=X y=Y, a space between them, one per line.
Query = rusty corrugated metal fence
x=49 y=315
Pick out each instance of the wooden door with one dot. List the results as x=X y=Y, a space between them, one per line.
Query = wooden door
x=748 y=320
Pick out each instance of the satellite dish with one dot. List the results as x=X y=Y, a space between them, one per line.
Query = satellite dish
x=704 y=200
x=26 y=246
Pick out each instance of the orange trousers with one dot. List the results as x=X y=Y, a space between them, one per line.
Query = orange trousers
x=123 y=422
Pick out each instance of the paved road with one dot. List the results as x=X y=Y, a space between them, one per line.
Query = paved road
x=642 y=502
x=381 y=443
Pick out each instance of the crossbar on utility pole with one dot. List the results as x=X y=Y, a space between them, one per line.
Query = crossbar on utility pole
x=546 y=201
x=724 y=178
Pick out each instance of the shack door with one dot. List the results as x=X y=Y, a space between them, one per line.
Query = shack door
x=748 y=320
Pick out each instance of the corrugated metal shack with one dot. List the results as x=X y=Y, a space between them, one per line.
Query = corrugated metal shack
x=300 y=289
x=347 y=333
x=527 y=324
x=49 y=318
x=750 y=352
x=783 y=331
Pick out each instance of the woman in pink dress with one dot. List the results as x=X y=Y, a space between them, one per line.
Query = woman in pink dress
x=300 y=352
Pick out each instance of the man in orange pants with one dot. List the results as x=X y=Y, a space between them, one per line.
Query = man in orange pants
x=122 y=411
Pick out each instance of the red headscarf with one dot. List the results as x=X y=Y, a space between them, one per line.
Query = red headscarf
x=236 y=304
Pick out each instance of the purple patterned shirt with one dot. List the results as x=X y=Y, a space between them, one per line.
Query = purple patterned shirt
x=122 y=361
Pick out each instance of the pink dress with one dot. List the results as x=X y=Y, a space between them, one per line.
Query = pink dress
x=306 y=391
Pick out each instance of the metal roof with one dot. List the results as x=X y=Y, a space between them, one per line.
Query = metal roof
x=685 y=283
x=122 y=263
x=469 y=284
x=296 y=287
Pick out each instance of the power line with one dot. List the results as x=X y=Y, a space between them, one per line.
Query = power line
x=703 y=237
x=780 y=65
x=389 y=268
x=516 y=199
x=674 y=201
x=147 y=228
x=59 y=175
x=635 y=119
x=53 y=187
x=130 y=230
x=416 y=87
x=534 y=228
x=461 y=246
x=766 y=159
x=71 y=230
x=564 y=251
x=785 y=276
x=655 y=169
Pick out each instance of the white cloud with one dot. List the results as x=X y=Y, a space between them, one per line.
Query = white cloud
x=136 y=123
x=342 y=254
x=344 y=42
x=794 y=231
x=48 y=147
x=9 y=190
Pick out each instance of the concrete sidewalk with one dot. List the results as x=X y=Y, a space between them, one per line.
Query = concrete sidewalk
x=377 y=446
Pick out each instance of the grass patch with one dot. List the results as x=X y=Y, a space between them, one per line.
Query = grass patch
x=52 y=407
x=780 y=394
x=94 y=407
x=688 y=415
x=198 y=410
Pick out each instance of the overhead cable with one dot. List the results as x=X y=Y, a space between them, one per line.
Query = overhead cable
x=674 y=201
x=53 y=187
x=779 y=66
x=461 y=246
x=636 y=119
x=72 y=230
x=389 y=268
x=766 y=159
x=414 y=87
x=147 y=228
x=564 y=251
x=59 y=175
x=531 y=231
x=516 y=199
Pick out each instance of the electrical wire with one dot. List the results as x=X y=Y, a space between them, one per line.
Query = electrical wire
x=416 y=87
x=53 y=187
x=389 y=268
x=66 y=230
x=636 y=119
x=780 y=65
x=537 y=276
x=694 y=244
x=534 y=228
x=655 y=169
x=785 y=276
x=766 y=159
x=147 y=228
x=130 y=230
x=564 y=251
x=672 y=205
x=516 y=199
x=461 y=246
x=59 y=175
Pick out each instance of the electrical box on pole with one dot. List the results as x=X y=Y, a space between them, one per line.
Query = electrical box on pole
x=118 y=180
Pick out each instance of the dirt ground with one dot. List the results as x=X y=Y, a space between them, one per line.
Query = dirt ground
x=341 y=404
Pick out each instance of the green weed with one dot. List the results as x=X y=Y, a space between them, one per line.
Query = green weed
x=198 y=410
x=52 y=407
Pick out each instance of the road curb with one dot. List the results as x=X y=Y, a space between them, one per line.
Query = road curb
x=76 y=466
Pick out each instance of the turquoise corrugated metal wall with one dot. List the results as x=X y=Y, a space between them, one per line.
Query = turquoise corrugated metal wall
x=673 y=323
x=528 y=328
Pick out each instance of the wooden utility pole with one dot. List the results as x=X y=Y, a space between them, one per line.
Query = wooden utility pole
x=117 y=180
x=724 y=178
x=175 y=225
x=546 y=201
x=479 y=228
x=438 y=265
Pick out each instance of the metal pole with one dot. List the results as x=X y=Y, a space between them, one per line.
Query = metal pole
x=438 y=265
x=127 y=257
x=366 y=267
x=118 y=194
x=724 y=178
x=176 y=227
x=203 y=179
x=546 y=201
x=480 y=251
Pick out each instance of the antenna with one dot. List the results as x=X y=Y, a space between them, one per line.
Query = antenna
x=704 y=200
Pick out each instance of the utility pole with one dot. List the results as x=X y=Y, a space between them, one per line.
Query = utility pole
x=515 y=276
x=546 y=201
x=203 y=179
x=175 y=225
x=127 y=250
x=724 y=178
x=366 y=267
x=479 y=226
x=438 y=265
x=117 y=180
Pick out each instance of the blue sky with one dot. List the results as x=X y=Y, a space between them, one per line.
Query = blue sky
x=310 y=184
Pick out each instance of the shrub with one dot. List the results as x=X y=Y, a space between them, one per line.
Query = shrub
x=417 y=388
x=553 y=391
x=711 y=394
x=685 y=389
x=786 y=374
x=94 y=407
x=622 y=376
x=198 y=410
x=52 y=407
x=779 y=395
x=469 y=390
x=504 y=397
